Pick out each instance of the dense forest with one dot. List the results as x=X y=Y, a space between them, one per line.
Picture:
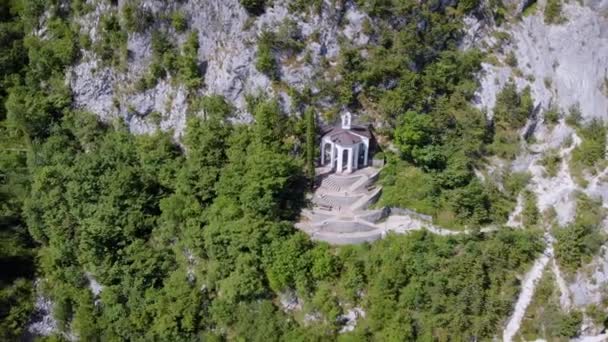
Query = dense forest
x=195 y=239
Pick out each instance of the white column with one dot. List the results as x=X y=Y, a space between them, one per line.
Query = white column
x=339 y=166
x=322 y=152
x=365 y=155
x=349 y=167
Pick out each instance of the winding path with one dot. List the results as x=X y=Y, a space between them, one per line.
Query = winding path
x=525 y=297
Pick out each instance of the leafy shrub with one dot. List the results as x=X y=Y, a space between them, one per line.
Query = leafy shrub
x=506 y=144
x=189 y=72
x=287 y=38
x=553 y=12
x=514 y=182
x=301 y=6
x=512 y=108
x=468 y=5
x=570 y=324
x=414 y=136
x=265 y=61
x=179 y=21
x=597 y=314
x=136 y=18
x=551 y=161
x=530 y=213
x=511 y=59
x=530 y=9
x=545 y=318
x=580 y=240
x=407 y=187
x=511 y=112
x=16 y=298
x=166 y=61
x=592 y=149
x=46 y=56
x=552 y=115
x=575 y=117
x=112 y=45
x=379 y=156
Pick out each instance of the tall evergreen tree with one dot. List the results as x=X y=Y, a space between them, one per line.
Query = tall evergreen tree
x=310 y=143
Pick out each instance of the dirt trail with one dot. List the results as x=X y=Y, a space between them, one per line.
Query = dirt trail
x=525 y=297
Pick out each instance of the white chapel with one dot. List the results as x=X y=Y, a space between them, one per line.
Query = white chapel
x=346 y=148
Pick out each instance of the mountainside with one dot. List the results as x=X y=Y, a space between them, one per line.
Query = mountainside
x=157 y=154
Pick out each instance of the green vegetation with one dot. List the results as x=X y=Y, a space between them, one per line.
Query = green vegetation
x=166 y=61
x=545 y=319
x=511 y=112
x=188 y=70
x=598 y=314
x=592 y=148
x=33 y=95
x=266 y=62
x=551 y=162
x=305 y=5
x=530 y=214
x=552 y=115
x=311 y=144
x=286 y=40
x=474 y=204
x=575 y=117
x=531 y=9
x=580 y=240
x=420 y=85
x=136 y=18
x=511 y=59
x=155 y=226
x=200 y=245
x=553 y=12
x=112 y=44
x=590 y=154
x=16 y=247
x=514 y=182
x=449 y=190
x=179 y=21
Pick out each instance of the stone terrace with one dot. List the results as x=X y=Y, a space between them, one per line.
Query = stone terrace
x=341 y=214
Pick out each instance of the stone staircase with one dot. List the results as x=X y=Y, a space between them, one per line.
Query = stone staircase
x=327 y=201
x=330 y=184
x=338 y=215
x=341 y=214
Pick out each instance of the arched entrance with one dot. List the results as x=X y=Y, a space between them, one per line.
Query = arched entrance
x=345 y=159
x=361 y=155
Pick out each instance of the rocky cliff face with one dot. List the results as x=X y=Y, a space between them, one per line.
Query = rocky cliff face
x=565 y=65
x=228 y=37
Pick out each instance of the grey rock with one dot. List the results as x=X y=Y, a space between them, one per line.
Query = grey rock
x=569 y=62
x=227 y=53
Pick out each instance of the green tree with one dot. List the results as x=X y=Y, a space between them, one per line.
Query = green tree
x=310 y=144
x=265 y=60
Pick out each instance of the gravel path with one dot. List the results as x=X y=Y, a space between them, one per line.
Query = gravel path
x=525 y=297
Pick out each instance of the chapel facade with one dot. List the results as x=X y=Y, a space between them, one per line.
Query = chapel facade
x=346 y=148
